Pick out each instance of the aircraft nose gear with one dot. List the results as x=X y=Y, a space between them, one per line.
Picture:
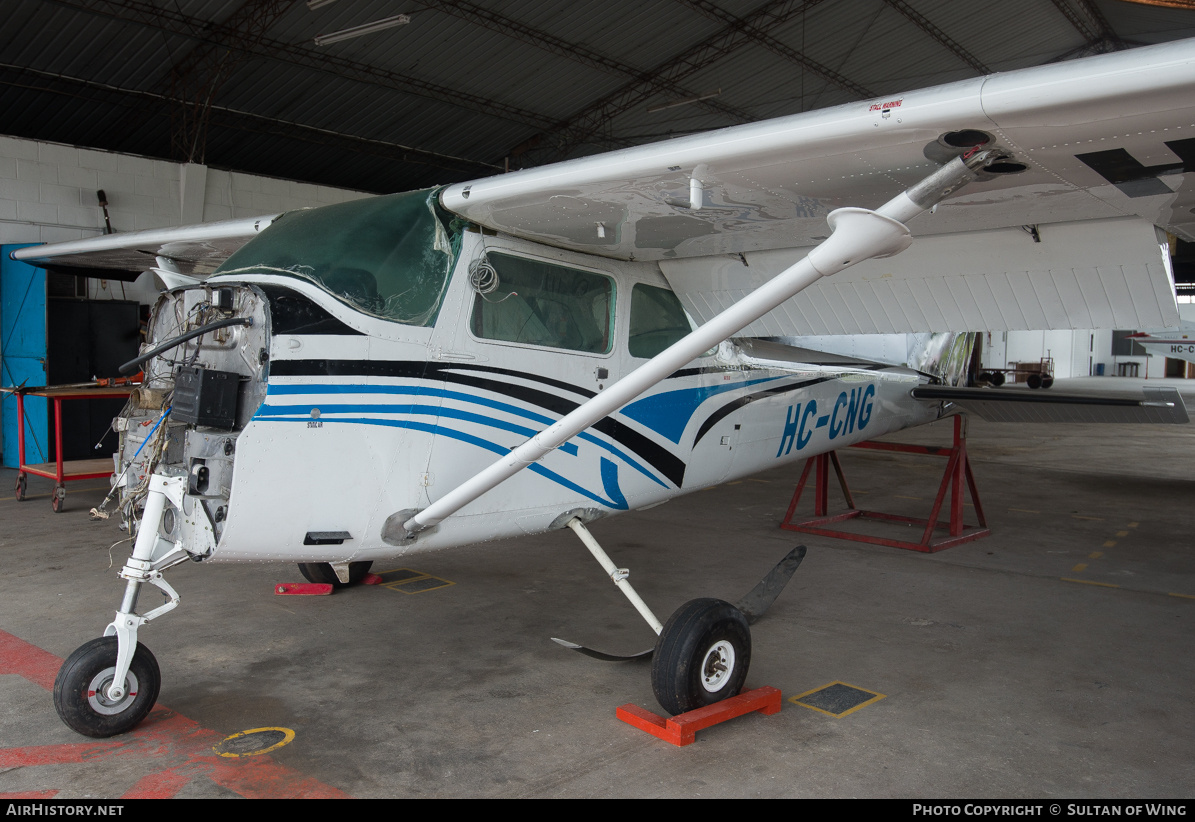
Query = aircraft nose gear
x=109 y=684
x=81 y=690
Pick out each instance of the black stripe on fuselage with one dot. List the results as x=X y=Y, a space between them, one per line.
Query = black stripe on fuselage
x=735 y=405
x=667 y=463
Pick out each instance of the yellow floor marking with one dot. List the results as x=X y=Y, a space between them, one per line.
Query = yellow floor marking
x=1080 y=568
x=1133 y=524
x=287 y=737
x=1110 y=543
x=1089 y=582
x=735 y=482
x=753 y=479
x=1184 y=596
x=902 y=496
x=1024 y=511
x=419 y=582
x=876 y=698
x=1095 y=555
x=1122 y=533
x=1079 y=516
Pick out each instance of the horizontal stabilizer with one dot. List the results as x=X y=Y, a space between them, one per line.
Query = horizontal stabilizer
x=1158 y=405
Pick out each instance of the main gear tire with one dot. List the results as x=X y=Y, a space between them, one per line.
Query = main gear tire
x=323 y=572
x=701 y=656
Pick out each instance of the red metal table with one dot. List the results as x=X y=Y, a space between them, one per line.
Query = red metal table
x=62 y=471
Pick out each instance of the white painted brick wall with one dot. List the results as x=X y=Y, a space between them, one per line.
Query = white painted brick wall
x=48 y=194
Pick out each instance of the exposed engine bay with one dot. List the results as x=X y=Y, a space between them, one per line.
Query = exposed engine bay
x=205 y=366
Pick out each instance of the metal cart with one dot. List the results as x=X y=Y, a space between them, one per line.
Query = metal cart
x=61 y=471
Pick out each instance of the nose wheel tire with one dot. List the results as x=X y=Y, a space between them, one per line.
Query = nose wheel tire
x=701 y=657
x=80 y=690
x=323 y=572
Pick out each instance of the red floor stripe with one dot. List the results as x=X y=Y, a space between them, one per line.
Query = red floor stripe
x=19 y=657
x=179 y=747
x=163 y=785
x=29 y=795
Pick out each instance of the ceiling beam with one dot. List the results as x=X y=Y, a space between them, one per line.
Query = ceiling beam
x=171 y=21
x=1094 y=27
x=576 y=52
x=760 y=36
x=150 y=105
x=195 y=79
x=922 y=22
x=588 y=124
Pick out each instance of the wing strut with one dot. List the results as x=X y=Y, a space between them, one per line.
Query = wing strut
x=857 y=234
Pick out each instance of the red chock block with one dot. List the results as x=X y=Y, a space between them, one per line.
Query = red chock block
x=308 y=589
x=372 y=579
x=682 y=728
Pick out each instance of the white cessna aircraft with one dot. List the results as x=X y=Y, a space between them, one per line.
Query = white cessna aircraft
x=515 y=354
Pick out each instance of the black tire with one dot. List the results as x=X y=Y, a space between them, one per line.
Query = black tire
x=322 y=572
x=985 y=376
x=1033 y=380
x=997 y=378
x=702 y=632
x=1046 y=382
x=82 y=680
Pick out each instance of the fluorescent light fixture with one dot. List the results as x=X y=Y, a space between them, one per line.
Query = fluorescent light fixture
x=685 y=102
x=359 y=31
x=318 y=4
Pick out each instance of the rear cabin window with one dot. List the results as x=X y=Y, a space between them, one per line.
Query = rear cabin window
x=657 y=320
x=541 y=303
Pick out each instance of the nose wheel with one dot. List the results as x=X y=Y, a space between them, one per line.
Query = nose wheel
x=83 y=694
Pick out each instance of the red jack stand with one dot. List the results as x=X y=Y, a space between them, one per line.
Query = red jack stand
x=682 y=729
x=958 y=469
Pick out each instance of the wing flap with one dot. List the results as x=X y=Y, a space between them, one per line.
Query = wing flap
x=1157 y=406
x=980 y=281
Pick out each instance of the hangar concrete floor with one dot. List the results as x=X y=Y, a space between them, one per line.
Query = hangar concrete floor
x=1051 y=659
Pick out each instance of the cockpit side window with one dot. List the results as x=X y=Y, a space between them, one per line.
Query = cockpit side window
x=540 y=303
x=657 y=320
x=389 y=257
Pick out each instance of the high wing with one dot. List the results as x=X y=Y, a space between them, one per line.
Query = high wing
x=193 y=249
x=1097 y=154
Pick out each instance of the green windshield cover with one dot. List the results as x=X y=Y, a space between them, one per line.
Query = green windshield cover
x=387 y=256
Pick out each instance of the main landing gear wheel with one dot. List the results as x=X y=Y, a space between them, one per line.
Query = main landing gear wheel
x=701 y=657
x=323 y=572
x=80 y=690
x=21 y=485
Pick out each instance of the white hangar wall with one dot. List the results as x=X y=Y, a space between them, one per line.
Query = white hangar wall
x=48 y=194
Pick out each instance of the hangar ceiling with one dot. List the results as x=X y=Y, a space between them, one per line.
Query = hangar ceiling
x=466 y=88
